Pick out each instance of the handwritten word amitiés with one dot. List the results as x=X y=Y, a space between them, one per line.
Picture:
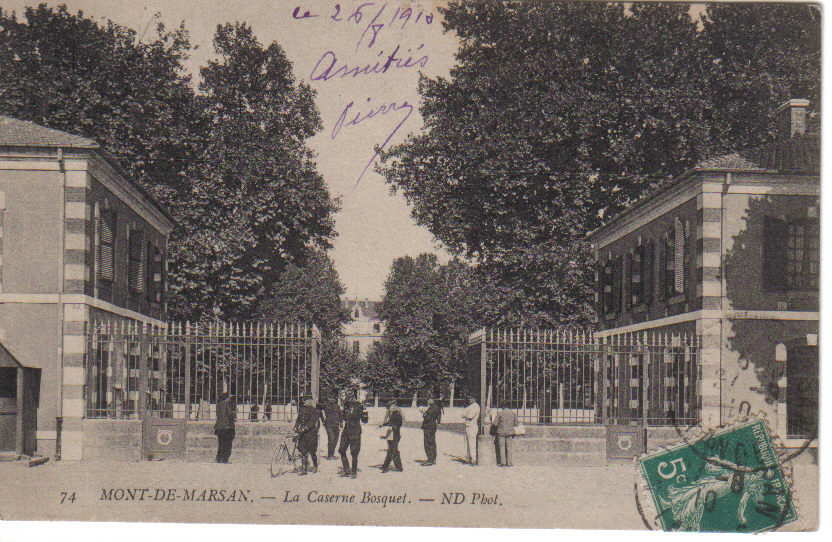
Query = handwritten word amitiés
x=351 y=116
x=328 y=68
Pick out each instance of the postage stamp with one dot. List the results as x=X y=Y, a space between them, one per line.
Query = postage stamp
x=731 y=480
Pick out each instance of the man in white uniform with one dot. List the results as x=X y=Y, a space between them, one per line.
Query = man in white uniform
x=471 y=415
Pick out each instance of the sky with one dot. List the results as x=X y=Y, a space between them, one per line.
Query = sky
x=374 y=226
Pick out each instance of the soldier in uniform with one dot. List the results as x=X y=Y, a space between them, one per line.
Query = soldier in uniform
x=354 y=414
x=306 y=427
x=430 y=422
x=394 y=420
x=224 y=426
x=332 y=423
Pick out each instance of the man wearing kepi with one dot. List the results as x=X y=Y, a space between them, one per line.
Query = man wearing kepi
x=332 y=423
x=224 y=426
x=471 y=415
x=394 y=420
x=354 y=415
x=506 y=423
x=430 y=422
x=306 y=427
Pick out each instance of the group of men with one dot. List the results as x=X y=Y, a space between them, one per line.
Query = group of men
x=345 y=420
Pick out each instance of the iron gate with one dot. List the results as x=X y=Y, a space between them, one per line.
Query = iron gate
x=135 y=370
x=572 y=377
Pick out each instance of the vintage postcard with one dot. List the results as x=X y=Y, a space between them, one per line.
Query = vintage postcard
x=523 y=264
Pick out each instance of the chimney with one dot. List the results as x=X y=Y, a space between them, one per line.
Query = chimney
x=791 y=118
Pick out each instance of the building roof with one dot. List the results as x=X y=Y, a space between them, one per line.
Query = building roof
x=367 y=307
x=797 y=156
x=21 y=133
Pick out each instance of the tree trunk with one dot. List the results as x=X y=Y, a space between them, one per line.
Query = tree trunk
x=415 y=399
x=452 y=389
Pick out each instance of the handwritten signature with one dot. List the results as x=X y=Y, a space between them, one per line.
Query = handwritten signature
x=352 y=117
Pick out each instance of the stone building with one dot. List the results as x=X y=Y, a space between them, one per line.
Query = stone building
x=729 y=251
x=80 y=241
x=365 y=328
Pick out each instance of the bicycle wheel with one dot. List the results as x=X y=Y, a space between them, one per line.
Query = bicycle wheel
x=281 y=462
x=296 y=460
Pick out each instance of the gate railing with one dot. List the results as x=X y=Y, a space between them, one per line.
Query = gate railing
x=135 y=370
x=572 y=377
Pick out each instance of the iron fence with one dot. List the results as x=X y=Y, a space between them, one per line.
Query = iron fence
x=135 y=370
x=571 y=376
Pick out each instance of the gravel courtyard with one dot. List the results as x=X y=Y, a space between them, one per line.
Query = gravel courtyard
x=489 y=496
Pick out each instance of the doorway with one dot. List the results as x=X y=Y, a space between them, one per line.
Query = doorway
x=802 y=378
x=8 y=409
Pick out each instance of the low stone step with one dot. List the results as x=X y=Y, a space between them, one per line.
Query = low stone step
x=559 y=459
x=560 y=444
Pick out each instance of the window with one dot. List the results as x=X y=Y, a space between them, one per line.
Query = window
x=376 y=328
x=356 y=348
x=107 y=251
x=357 y=313
x=791 y=256
x=637 y=276
x=136 y=261
x=154 y=274
x=612 y=285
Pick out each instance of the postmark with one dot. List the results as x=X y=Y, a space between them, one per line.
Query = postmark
x=729 y=480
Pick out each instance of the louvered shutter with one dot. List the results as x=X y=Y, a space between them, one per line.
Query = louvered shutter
x=107 y=237
x=647 y=272
x=775 y=254
x=599 y=288
x=679 y=256
x=616 y=284
x=662 y=260
x=136 y=269
x=627 y=281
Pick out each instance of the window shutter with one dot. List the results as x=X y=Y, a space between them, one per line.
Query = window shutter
x=616 y=284
x=647 y=272
x=669 y=272
x=107 y=237
x=600 y=277
x=150 y=265
x=679 y=256
x=627 y=282
x=136 y=264
x=775 y=254
x=163 y=277
x=662 y=257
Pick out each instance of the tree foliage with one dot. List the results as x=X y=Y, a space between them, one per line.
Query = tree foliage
x=309 y=294
x=230 y=161
x=559 y=114
x=429 y=310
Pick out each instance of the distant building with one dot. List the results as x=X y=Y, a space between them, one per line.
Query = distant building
x=729 y=251
x=365 y=328
x=80 y=241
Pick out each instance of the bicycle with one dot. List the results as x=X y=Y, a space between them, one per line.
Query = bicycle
x=285 y=457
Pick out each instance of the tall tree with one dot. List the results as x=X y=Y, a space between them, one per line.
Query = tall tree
x=760 y=55
x=230 y=162
x=258 y=202
x=429 y=311
x=102 y=81
x=309 y=294
x=557 y=115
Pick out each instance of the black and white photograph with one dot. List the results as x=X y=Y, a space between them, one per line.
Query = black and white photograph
x=517 y=264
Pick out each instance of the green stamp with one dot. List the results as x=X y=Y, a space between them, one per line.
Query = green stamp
x=727 y=481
